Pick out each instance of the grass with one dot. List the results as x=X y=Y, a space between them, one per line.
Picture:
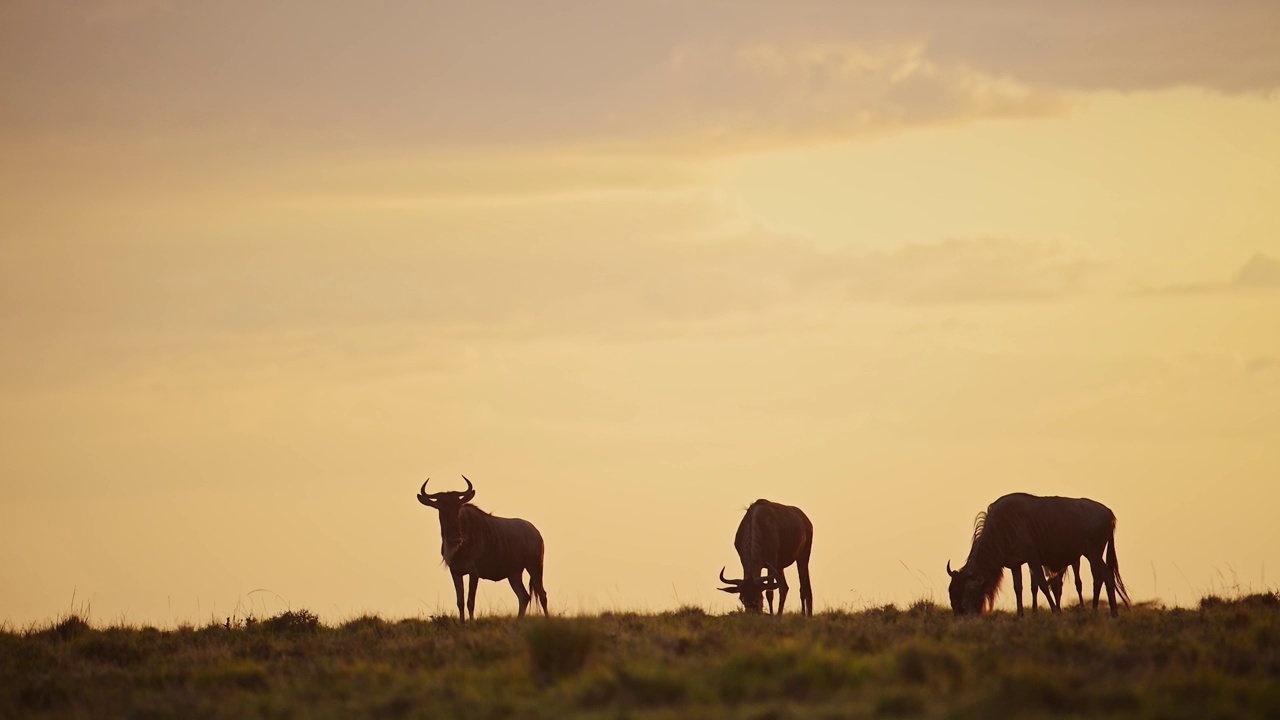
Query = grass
x=1219 y=660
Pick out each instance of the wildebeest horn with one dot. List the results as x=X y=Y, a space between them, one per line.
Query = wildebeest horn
x=423 y=497
x=470 y=491
x=735 y=586
x=950 y=572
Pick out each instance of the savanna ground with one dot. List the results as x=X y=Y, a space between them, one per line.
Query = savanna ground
x=1221 y=659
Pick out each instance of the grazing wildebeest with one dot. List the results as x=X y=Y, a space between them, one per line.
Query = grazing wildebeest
x=770 y=538
x=1040 y=532
x=475 y=543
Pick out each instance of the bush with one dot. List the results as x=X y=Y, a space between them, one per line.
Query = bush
x=292 y=622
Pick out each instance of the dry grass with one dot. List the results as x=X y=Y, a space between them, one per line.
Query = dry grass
x=1220 y=660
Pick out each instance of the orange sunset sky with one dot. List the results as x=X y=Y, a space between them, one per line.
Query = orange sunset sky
x=267 y=265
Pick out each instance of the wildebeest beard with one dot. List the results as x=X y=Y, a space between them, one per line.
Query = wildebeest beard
x=451 y=540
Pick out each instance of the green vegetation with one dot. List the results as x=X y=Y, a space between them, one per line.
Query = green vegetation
x=1219 y=660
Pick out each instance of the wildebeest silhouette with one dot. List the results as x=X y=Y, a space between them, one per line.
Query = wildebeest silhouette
x=1040 y=532
x=770 y=538
x=475 y=543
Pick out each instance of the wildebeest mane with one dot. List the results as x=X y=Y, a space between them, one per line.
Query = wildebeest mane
x=762 y=531
x=475 y=526
x=979 y=522
x=480 y=528
x=994 y=538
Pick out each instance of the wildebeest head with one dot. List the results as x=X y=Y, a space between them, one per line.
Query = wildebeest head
x=449 y=505
x=750 y=590
x=971 y=594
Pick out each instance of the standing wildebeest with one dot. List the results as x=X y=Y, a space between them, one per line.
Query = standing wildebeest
x=1041 y=532
x=475 y=543
x=771 y=537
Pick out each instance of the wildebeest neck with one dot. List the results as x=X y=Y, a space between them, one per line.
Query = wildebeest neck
x=451 y=537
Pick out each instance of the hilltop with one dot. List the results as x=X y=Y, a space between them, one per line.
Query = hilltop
x=1221 y=659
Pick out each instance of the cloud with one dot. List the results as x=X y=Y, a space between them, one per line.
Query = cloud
x=965 y=271
x=1263 y=364
x=533 y=284
x=768 y=93
x=121 y=11
x=713 y=75
x=1261 y=272
x=1096 y=45
x=1188 y=395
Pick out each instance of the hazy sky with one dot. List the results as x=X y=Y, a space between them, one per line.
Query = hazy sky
x=267 y=266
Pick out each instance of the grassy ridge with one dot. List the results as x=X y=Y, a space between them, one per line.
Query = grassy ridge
x=1220 y=660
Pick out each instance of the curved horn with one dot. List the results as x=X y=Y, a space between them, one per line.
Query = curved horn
x=423 y=497
x=726 y=580
x=470 y=491
x=951 y=572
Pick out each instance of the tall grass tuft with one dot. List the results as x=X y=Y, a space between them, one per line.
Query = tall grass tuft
x=68 y=628
x=559 y=647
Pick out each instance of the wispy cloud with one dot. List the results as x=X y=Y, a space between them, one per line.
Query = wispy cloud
x=965 y=271
x=714 y=76
x=519 y=284
x=1261 y=272
x=1263 y=364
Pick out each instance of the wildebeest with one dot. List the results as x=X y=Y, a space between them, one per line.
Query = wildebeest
x=770 y=538
x=1041 y=532
x=475 y=543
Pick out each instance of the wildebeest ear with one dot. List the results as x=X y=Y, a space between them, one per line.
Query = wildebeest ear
x=730 y=590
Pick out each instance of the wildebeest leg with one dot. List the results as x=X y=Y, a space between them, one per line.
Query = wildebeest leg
x=782 y=590
x=1017 y=587
x=768 y=595
x=517 y=584
x=1037 y=577
x=457 y=588
x=471 y=596
x=1109 y=577
x=1075 y=569
x=1055 y=586
x=536 y=587
x=1097 y=568
x=806 y=588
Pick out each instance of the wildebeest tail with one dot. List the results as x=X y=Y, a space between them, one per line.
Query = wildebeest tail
x=536 y=587
x=1114 y=565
